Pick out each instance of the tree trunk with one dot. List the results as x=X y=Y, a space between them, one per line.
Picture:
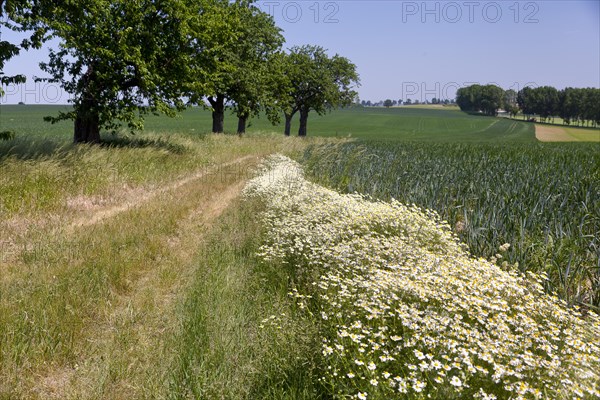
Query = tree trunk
x=87 y=128
x=288 y=123
x=242 y=119
x=87 y=120
x=218 y=113
x=303 y=123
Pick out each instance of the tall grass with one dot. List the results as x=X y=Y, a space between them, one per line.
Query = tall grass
x=89 y=310
x=544 y=200
x=242 y=336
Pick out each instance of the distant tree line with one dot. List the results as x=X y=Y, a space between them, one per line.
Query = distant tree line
x=393 y=103
x=120 y=60
x=574 y=106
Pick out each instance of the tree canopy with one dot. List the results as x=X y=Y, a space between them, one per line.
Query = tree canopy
x=233 y=56
x=546 y=102
x=485 y=98
x=313 y=81
x=122 y=59
x=571 y=104
x=18 y=15
x=119 y=59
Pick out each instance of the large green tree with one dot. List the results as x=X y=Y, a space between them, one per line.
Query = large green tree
x=480 y=98
x=252 y=88
x=510 y=102
x=118 y=59
x=313 y=81
x=234 y=56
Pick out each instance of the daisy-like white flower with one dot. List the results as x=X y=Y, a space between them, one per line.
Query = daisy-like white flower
x=456 y=382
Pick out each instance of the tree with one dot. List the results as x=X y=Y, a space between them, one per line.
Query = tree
x=388 y=103
x=253 y=83
x=467 y=97
x=311 y=80
x=234 y=58
x=547 y=101
x=118 y=59
x=526 y=100
x=570 y=104
x=490 y=100
x=477 y=98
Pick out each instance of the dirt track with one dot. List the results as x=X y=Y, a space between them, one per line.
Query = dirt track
x=135 y=198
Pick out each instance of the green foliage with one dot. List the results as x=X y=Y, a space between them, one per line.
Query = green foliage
x=319 y=82
x=11 y=10
x=571 y=104
x=487 y=99
x=117 y=59
x=232 y=61
x=314 y=81
x=258 y=40
x=542 y=199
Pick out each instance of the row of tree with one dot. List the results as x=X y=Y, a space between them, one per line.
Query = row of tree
x=573 y=105
x=122 y=59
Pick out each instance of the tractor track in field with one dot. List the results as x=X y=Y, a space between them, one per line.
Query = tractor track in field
x=103 y=337
x=137 y=197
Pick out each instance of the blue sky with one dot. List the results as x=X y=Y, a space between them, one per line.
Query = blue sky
x=422 y=49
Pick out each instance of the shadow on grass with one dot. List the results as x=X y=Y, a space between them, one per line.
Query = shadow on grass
x=37 y=148
x=33 y=148
x=141 y=143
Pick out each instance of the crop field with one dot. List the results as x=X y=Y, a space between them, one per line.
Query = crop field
x=162 y=265
x=400 y=123
x=550 y=133
x=544 y=200
x=405 y=312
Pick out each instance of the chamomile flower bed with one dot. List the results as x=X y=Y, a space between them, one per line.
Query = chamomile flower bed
x=407 y=312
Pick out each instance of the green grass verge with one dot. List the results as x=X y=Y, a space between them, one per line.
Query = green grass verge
x=242 y=336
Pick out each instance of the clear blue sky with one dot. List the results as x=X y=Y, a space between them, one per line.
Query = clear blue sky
x=422 y=49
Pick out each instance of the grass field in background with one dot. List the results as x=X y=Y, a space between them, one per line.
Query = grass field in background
x=396 y=123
